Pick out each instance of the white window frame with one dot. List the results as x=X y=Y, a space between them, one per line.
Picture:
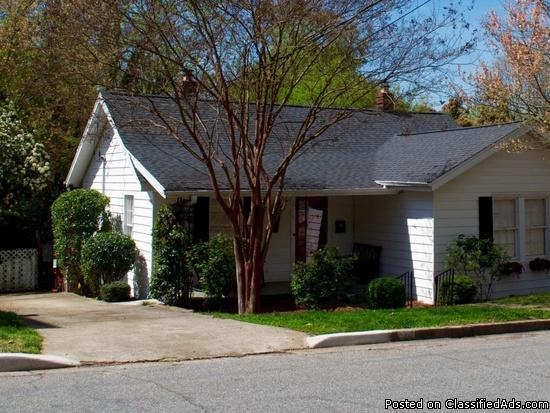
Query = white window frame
x=128 y=214
x=516 y=228
x=545 y=227
x=520 y=253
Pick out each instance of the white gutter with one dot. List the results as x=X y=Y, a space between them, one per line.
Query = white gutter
x=386 y=184
x=305 y=192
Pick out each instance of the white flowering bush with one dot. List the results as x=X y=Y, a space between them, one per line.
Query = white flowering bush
x=24 y=162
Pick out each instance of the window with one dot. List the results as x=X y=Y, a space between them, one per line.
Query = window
x=505 y=225
x=128 y=214
x=535 y=227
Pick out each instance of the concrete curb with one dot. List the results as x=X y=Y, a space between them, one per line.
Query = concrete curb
x=23 y=362
x=385 y=336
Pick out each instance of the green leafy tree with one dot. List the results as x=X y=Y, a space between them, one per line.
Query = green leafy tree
x=76 y=216
x=171 y=279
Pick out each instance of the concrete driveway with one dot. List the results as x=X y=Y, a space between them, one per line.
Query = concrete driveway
x=94 y=331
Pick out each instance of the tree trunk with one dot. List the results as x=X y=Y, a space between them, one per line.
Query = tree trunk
x=249 y=274
x=253 y=304
x=240 y=276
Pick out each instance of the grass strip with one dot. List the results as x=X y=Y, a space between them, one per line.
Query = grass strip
x=16 y=337
x=325 y=322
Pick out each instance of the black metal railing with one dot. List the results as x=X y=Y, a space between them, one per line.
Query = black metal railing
x=446 y=278
x=367 y=264
x=407 y=278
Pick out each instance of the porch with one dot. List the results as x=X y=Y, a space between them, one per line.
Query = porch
x=400 y=224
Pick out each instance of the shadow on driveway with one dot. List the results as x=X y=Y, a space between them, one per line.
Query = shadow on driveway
x=97 y=332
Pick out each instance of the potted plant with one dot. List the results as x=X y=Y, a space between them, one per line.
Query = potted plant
x=539 y=264
x=511 y=267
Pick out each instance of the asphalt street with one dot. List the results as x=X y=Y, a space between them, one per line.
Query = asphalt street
x=354 y=379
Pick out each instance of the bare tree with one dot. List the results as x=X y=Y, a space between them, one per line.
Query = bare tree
x=246 y=58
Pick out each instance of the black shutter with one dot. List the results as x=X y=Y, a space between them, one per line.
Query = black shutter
x=201 y=216
x=486 y=217
x=247 y=204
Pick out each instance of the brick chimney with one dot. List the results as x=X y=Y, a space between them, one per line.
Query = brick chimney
x=188 y=88
x=385 y=100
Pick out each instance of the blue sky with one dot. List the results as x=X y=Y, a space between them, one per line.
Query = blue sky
x=475 y=17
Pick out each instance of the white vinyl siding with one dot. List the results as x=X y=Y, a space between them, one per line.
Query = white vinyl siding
x=504 y=175
x=111 y=171
x=278 y=265
x=403 y=226
x=341 y=208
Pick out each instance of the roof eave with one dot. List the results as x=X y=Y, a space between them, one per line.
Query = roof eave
x=157 y=186
x=479 y=157
x=296 y=192
x=73 y=176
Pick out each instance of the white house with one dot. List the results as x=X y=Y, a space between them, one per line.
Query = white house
x=406 y=182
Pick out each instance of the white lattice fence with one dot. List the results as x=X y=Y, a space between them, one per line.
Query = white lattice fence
x=18 y=270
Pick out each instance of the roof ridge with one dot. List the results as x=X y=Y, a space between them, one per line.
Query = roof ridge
x=460 y=128
x=369 y=110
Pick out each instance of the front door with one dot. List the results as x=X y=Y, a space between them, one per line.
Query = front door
x=311 y=226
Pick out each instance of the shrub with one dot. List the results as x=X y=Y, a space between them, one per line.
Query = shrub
x=324 y=281
x=478 y=258
x=107 y=257
x=214 y=263
x=386 y=292
x=464 y=290
x=171 y=279
x=115 y=291
x=76 y=216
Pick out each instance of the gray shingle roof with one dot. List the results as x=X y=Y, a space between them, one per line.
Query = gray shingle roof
x=424 y=157
x=352 y=154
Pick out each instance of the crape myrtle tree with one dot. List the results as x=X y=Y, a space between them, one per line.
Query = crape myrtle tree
x=248 y=58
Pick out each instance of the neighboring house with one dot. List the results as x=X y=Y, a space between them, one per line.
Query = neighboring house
x=407 y=182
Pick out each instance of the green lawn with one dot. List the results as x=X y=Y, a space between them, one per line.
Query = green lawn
x=15 y=337
x=323 y=322
x=541 y=299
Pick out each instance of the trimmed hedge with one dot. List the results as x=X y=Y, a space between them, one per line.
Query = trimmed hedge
x=115 y=291
x=76 y=216
x=107 y=257
x=386 y=292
